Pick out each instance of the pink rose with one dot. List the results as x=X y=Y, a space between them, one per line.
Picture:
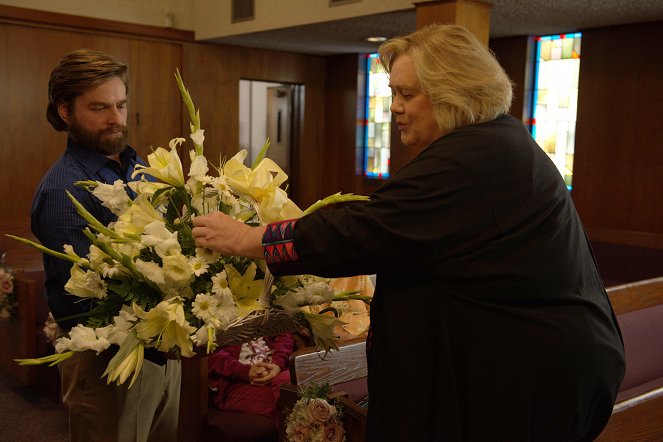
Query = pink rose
x=319 y=410
x=334 y=432
x=300 y=434
x=6 y=285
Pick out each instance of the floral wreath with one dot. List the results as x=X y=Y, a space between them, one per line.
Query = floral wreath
x=314 y=419
x=8 y=302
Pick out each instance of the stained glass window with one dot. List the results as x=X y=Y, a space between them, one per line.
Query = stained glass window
x=377 y=122
x=556 y=99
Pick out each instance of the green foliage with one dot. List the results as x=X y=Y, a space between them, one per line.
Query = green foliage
x=314 y=390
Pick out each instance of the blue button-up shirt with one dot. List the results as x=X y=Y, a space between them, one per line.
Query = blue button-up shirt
x=55 y=221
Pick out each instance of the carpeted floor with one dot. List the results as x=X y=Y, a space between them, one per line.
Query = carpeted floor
x=25 y=416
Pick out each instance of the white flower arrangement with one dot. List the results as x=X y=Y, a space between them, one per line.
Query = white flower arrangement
x=314 y=419
x=7 y=296
x=151 y=286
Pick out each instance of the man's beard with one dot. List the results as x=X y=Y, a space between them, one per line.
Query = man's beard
x=99 y=141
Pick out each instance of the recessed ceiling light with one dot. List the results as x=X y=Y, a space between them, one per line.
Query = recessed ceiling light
x=376 y=39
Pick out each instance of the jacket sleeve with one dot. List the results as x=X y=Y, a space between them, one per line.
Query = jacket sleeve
x=282 y=347
x=225 y=364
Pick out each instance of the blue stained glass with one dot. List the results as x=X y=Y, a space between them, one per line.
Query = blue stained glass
x=555 y=98
x=377 y=133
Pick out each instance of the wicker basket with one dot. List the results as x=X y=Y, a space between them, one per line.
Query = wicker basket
x=269 y=323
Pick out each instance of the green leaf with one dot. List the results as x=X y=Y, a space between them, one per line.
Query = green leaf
x=261 y=154
x=334 y=199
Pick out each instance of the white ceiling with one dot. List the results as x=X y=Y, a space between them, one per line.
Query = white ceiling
x=508 y=18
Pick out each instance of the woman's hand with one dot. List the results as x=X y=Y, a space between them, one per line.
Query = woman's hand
x=262 y=373
x=220 y=233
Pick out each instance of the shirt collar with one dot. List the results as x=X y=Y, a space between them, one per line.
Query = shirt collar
x=92 y=162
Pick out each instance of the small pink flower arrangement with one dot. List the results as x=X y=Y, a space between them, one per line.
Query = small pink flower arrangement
x=7 y=296
x=314 y=419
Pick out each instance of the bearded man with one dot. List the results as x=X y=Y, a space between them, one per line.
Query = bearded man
x=87 y=98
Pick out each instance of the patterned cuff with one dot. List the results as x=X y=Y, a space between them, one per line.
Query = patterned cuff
x=279 y=247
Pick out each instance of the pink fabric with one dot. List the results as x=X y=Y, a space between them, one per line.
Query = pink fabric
x=230 y=378
x=642 y=331
x=255 y=399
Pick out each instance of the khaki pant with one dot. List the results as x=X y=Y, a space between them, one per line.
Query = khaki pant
x=148 y=411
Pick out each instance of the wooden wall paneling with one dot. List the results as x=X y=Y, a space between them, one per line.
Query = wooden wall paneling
x=30 y=145
x=208 y=72
x=155 y=104
x=341 y=99
x=513 y=54
x=309 y=71
x=213 y=73
x=618 y=174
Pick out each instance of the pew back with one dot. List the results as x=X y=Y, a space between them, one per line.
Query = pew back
x=346 y=371
x=638 y=413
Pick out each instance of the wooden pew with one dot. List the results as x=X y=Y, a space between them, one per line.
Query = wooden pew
x=638 y=413
x=23 y=337
x=17 y=335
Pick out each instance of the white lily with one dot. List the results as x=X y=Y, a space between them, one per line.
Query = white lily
x=128 y=360
x=141 y=213
x=113 y=196
x=85 y=283
x=81 y=338
x=262 y=185
x=151 y=271
x=177 y=271
x=165 y=165
x=117 y=332
x=166 y=325
x=157 y=235
x=198 y=137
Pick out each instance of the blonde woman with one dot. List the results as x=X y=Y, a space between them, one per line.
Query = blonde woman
x=489 y=320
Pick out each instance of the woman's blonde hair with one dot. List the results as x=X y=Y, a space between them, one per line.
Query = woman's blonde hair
x=461 y=76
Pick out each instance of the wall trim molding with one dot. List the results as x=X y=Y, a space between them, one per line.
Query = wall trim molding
x=626 y=237
x=33 y=16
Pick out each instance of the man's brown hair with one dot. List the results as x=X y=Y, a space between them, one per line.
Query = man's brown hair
x=77 y=72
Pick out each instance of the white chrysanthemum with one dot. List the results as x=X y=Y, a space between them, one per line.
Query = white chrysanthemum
x=207 y=255
x=220 y=282
x=198 y=265
x=205 y=307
